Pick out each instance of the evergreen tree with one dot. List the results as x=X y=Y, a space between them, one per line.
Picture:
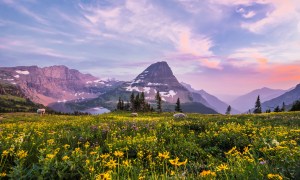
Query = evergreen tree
x=132 y=100
x=158 y=101
x=228 y=110
x=122 y=105
x=268 y=110
x=277 y=109
x=127 y=106
x=283 y=107
x=137 y=103
x=257 y=108
x=296 y=106
x=143 y=102
x=119 y=104
x=178 y=107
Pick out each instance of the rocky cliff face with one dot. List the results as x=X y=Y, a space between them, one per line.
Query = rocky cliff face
x=159 y=77
x=53 y=84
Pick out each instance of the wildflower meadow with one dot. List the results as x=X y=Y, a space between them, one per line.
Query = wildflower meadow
x=150 y=146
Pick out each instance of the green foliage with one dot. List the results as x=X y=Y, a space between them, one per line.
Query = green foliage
x=150 y=146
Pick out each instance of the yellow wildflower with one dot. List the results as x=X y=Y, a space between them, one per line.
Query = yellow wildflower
x=118 y=154
x=5 y=153
x=91 y=169
x=103 y=176
x=66 y=146
x=222 y=167
x=50 y=141
x=22 y=154
x=164 y=155
x=65 y=158
x=111 y=164
x=50 y=156
x=207 y=173
x=274 y=176
x=93 y=153
x=126 y=163
x=104 y=156
x=3 y=174
x=172 y=173
x=87 y=161
x=175 y=162
x=87 y=145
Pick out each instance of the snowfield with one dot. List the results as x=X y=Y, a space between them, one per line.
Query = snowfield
x=22 y=72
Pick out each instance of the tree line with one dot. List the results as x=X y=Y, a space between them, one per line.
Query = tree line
x=138 y=103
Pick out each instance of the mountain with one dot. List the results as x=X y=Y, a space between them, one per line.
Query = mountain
x=157 y=77
x=12 y=99
x=53 y=84
x=288 y=98
x=209 y=100
x=247 y=101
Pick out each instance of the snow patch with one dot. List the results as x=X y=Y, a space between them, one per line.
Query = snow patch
x=155 y=84
x=17 y=76
x=147 y=90
x=9 y=79
x=171 y=93
x=132 y=88
x=60 y=101
x=22 y=72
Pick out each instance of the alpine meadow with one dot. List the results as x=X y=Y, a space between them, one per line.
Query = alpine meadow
x=150 y=89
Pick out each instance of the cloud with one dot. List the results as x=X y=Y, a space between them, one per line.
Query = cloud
x=250 y=14
x=30 y=47
x=282 y=12
x=24 y=10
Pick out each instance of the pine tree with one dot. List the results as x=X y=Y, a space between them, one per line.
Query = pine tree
x=283 y=107
x=296 y=106
x=277 y=109
x=178 y=107
x=127 y=106
x=119 y=104
x=142 y=102
x=132 y=102
x=122 y=105
x=137 y=104
x=228 y=110
x=257 y=108
x=158 y=101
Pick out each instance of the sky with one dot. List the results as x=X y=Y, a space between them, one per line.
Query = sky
x=222 y=46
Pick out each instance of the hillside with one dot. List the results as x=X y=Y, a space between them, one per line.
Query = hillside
x=288 y=98
x=12 y=99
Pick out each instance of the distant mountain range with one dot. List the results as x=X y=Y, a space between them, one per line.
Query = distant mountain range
x=67 y=90
x=247 y=101
x=55 y=83
x=210 y=100
x=288 y=98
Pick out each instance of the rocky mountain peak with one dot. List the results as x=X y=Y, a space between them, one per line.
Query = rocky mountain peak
x=158 y=73
x=159 y=77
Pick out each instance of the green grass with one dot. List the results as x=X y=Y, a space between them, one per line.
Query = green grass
x=150 y=146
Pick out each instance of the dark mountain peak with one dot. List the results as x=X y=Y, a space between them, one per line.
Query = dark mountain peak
x=158 y=73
